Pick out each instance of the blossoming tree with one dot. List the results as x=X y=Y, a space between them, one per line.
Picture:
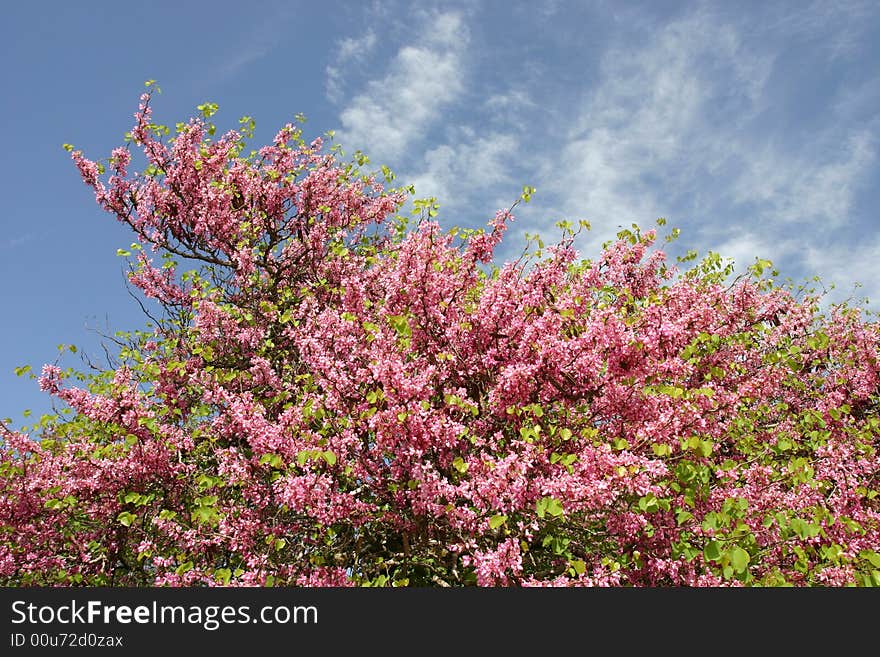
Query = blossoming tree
x=332 y=397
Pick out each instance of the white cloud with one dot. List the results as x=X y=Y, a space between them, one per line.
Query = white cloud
x=453 y=172
x=647 y=120
x=422 y=81
x=859 y=102
x=510 y=108
x=791 y=188
x=673 y=127
x=683 y=118
x=746 y=246
x=599 y=180
x=835 y=28
x=845 y=271
x=846 y=266
x=347 y=50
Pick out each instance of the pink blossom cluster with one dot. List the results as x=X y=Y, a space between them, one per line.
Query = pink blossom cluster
x=330 y=402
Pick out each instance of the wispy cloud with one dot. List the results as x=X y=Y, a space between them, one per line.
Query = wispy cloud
x=834 y=28
x=17 y=240
x=241 y=59
x=423 y=116
x=653 y=121
x=696 y=115
x=688 y=125
x=798 y=188
x=854 y=269
x=423 y=79
x=846 y=270
x=510 y=108
x=860 y=102
x=257 y=41
x=347 y=51
x=747 y=245
x=456 y=171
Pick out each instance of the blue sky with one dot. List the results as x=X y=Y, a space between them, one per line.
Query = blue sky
x=752 y=127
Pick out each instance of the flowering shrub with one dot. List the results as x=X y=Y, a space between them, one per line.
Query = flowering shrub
x=334 y=398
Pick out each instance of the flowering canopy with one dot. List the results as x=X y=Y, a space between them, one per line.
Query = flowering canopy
x=333 y=398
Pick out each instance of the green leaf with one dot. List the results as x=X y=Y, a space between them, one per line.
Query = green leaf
x=803 y=528
x=683 y=516
x=460 y=465
x=496 y=521
x=549 y=505
x=273 y=460
x=207 y=515
x=648 y=503
x=223 y=575
x=712 y=551
x=208 y=109
x=671 y=391
x=872 y=557
x=760 y=265
x=400 y=324
x=739 y=559
x=329 y=456
x=661 y=449
x=126 y=518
